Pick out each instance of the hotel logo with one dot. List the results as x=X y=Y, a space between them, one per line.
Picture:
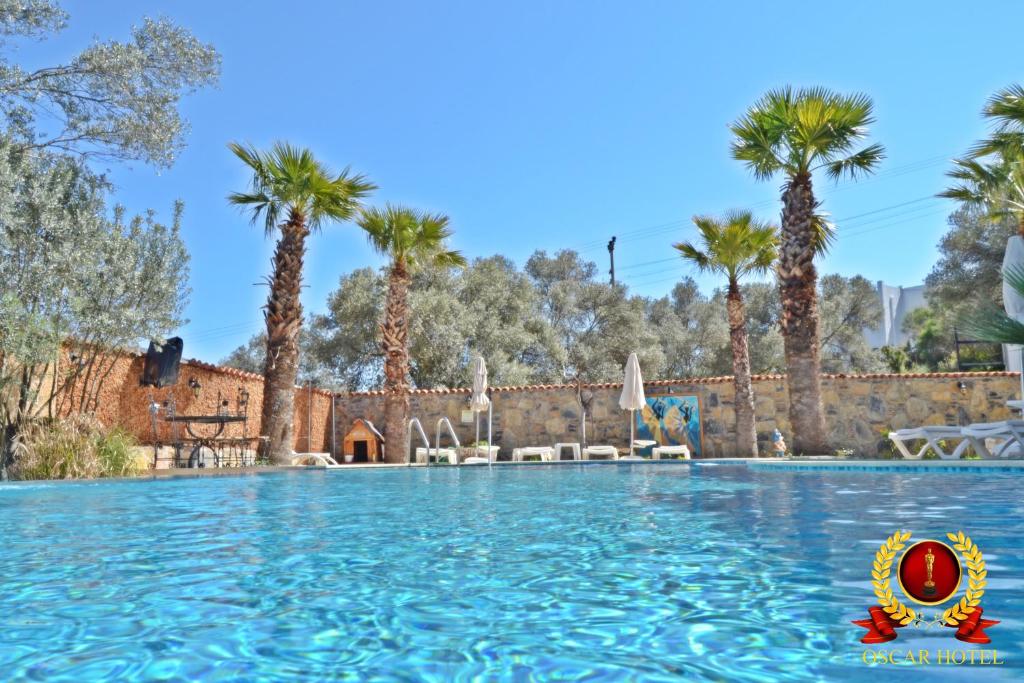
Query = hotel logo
x=929 y=573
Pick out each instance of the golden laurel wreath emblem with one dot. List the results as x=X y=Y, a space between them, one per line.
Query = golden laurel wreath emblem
x=904 y=615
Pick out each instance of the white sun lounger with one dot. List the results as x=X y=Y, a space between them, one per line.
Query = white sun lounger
x=437 y=454
x=546 y=453
x=931 y=435
x=671 y=450
x=1010 y=432
x=601 y=451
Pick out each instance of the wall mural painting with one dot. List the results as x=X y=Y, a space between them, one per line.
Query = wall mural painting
x=671 y=420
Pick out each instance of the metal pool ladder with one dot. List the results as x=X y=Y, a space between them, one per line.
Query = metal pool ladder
x=437 y=441
x=423 y=435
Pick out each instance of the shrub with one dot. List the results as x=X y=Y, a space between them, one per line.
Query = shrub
x=77 y=447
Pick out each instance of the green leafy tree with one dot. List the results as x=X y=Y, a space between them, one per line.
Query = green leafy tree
x=79 y=284
x=970 y=262
x=896 y=359
x=848 y=307
x=735 y=246
x=345 y=339
x=795 y=133
x=691 y=331
x=294 y=195
x=596 y=325
x=412 y=241
x=114 y=100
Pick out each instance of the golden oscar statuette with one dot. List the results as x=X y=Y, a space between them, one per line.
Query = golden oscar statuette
x=929 y=562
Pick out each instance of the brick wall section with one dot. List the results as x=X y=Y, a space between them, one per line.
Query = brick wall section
x=860 y=409
x=123 y=402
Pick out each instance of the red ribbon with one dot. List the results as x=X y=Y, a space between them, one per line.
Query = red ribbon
x=972 y=629
x=881 y=628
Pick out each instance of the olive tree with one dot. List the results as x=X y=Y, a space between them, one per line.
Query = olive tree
x=113 y=100
x=78 y=284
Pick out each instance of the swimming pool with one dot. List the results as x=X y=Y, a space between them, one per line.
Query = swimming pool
x=559 y=572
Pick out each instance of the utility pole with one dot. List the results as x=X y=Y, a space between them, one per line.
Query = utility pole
x=611 y=255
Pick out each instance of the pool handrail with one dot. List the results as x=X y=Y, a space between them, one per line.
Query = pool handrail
x=423 y=435
x=437 y=440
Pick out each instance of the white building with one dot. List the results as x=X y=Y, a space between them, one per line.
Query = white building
x=897 y=303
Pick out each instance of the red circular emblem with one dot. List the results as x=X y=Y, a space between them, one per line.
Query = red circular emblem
x=929 y=572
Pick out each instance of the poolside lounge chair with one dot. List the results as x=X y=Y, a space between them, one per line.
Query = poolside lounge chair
x=437 y=453
x=1010 y=432
x=659 y=451
x=931 y=435
x=610 y=452
x=546 y=453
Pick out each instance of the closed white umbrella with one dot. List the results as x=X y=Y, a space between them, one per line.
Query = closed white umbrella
x=632 y=398
x=479 y=402
x=1013 y=302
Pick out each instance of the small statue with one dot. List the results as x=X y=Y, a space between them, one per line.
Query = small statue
x=778 y=444
x=929 y=564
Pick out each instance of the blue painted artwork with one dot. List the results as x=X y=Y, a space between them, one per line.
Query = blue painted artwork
x=671 y=421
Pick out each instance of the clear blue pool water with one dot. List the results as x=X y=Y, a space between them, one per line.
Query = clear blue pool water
x=579 y=572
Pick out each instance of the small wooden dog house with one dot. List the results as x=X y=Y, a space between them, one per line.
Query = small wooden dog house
x=363 y=442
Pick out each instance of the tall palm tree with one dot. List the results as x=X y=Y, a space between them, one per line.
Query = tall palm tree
x=735 y=246
x=294 y=194
x=411 y=240
x=795 y=133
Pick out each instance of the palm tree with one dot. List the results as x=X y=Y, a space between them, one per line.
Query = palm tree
x=1006 y=111
x=992 y=175
x=735 y=246
x=996 y=187
x=411 y=240
x=795 y=133
x=295 y=195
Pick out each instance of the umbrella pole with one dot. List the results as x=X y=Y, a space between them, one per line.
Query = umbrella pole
x=632 y=428
x=490 y=422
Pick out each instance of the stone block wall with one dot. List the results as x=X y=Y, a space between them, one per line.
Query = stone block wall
x=860 y=409
x=121 y=401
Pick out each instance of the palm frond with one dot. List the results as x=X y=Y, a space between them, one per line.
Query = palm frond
x=797 y=132
x=990 y=323
x=289 y=179
x=823 y=232
x=1006 y=107
x=857 y=164
x=410 y=237
x=735 y=245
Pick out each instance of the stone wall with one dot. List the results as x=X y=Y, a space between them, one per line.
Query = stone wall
x=121 y=401
x=860 y=409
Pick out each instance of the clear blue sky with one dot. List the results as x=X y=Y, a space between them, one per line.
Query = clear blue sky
x=546 y=125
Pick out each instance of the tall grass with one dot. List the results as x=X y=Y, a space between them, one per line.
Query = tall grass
x=77 y=447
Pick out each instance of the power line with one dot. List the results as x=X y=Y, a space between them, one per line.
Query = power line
x=928 y=211
x=896 y=171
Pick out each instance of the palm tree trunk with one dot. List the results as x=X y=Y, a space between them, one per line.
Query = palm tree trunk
x=395 y=335
x=746 y=432
x=798 y=281
x=283 y=315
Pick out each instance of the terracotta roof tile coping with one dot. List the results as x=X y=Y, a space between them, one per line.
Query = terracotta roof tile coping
x=234 y=372
x=696 y=380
